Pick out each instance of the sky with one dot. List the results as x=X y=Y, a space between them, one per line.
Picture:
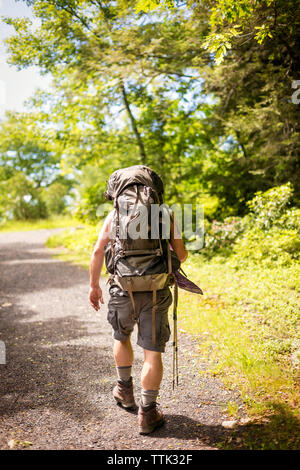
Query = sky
x=16 y=86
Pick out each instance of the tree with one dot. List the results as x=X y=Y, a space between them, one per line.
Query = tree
x=76 y=35
x=254 y=87
x=134 y=88
x=30 y=177
x=20 y=199
x=25 y=146
x=254 y=48
x=109 y=69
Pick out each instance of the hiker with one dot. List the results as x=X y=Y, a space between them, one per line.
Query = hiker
x=141 y=273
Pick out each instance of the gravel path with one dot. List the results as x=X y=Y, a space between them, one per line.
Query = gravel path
x=56 y=386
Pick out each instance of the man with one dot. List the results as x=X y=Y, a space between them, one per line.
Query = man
x=120 y=316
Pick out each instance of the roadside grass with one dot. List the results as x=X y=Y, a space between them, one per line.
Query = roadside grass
x=76 y=244
x=247 y=323
x=26 y=225
x=247 y=326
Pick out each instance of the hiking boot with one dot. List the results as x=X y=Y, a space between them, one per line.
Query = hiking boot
x=150 y=418
x=123 y=394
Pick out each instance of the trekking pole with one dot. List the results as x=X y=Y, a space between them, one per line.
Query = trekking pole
x=176 y=331
x=175 y=344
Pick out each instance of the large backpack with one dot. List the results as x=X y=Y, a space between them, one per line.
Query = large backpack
x=143 y=262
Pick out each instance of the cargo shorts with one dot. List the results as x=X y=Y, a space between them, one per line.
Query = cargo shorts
x=121 y=316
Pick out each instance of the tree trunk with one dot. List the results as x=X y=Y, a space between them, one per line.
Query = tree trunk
x=134 y=124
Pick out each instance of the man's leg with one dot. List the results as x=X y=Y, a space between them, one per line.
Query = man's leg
x=123 y=355
x=152 y=370
x=150 y=417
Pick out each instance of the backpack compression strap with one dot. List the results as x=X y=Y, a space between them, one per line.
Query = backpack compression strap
x=129 y=288
x=154 y=306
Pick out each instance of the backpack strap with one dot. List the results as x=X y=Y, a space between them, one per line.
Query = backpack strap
x=135 y=318
x=154 y=306
x=129 y=288
x=169 y=258
x=134 y=206
x=116 y=206
x=136 y=199
x=156 y=197
x=156 y=252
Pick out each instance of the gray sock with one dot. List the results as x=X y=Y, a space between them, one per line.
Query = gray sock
x=148 y=397
x=124 y=373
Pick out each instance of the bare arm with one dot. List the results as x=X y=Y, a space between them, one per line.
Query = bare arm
x=96 y=264
x=177 y=243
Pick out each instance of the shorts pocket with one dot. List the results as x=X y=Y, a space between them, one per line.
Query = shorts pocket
x=165 y=331
x=112 y=317
x=164 y=300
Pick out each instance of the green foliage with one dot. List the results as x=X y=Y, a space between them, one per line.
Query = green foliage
x=270 y=233
x=77 y=242
x=253 y=85
x=270 y=206
x=57 y=221
x=31 y=186
x=54 y=198
x=277 y=245
x=20 y=199
x=145 y=88
x=81 y=239
x=222 y=234
x=273 y=233
x=25 y=147
x=290 y=219
x=150 y=5
x=91 y=185
x=90 y=200
x=228 y=19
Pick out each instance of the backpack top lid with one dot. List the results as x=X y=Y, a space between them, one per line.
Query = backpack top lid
x=137 y=174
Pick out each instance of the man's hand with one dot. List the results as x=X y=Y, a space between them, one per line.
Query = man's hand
x=95 y=296
x=97 y=263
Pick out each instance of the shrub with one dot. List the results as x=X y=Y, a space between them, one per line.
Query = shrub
x=20 y=199
x=273 y=231
x=54 y=197
x=223 y=234
x=268 y=207
x=91 y=198
x=280 y=245
x=269 y=233
x=290 y=219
